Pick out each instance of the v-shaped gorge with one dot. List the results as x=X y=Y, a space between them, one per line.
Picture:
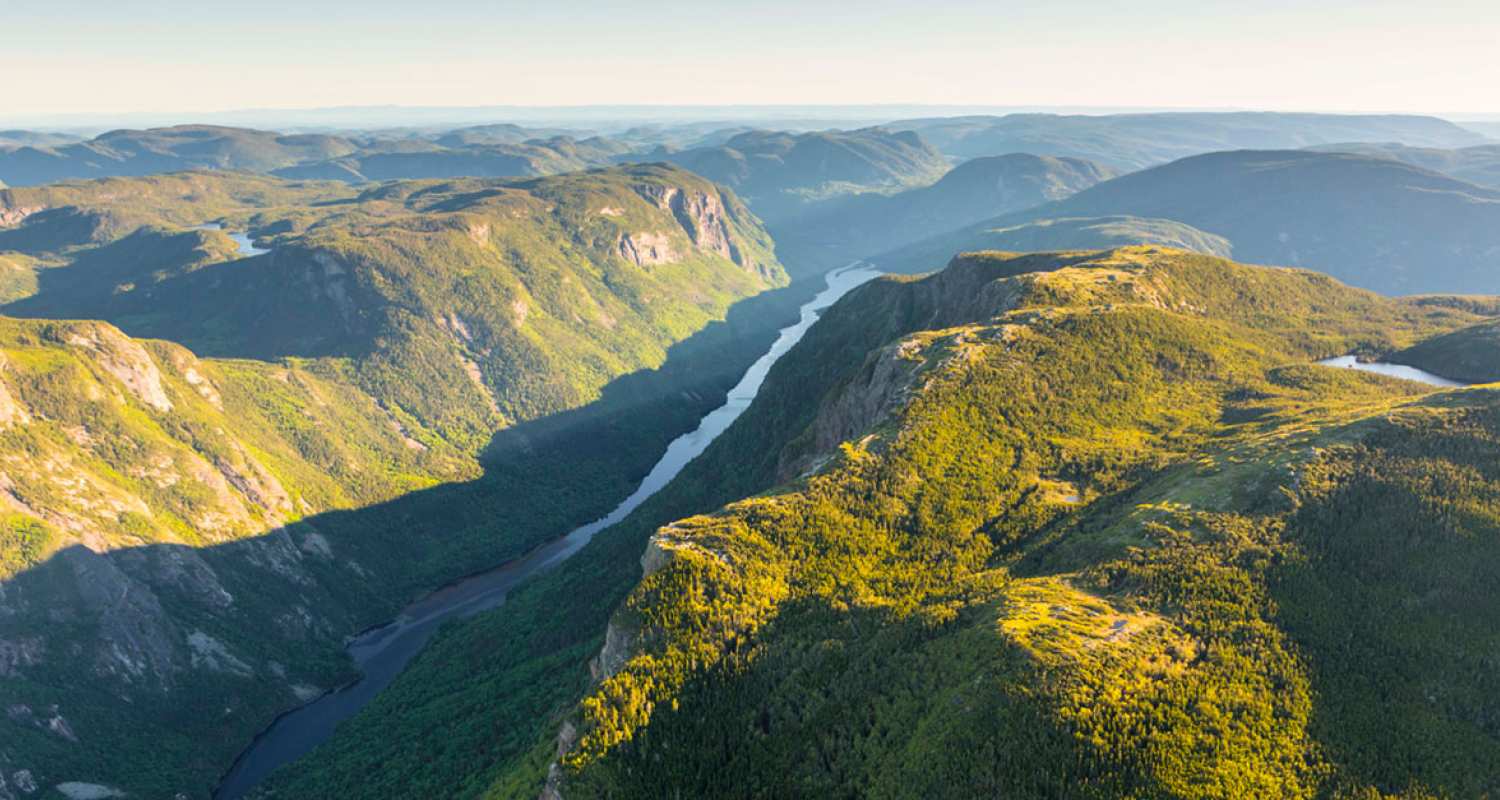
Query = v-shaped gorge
x=1090 y=525
x=192 y=527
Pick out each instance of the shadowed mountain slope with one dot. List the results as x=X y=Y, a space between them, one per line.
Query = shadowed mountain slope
x=1088 y=524
x=1372 y=222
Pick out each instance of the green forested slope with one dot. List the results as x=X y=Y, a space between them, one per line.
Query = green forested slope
x=1470 y=354
x=416 y=382
x=464 y=305
x=1084 y=526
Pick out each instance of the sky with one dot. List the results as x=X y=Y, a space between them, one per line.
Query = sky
x=116 y=56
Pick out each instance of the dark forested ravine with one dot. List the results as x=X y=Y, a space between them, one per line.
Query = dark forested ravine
x=382 y=652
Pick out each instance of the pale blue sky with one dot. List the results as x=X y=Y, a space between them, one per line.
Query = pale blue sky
x=175 y=55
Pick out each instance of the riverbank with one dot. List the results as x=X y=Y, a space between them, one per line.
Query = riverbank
x=382 y=652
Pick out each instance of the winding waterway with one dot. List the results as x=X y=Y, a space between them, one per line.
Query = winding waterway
x=381 y=653
x=1393 y=370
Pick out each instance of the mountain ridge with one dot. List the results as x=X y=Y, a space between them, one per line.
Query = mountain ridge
x=839 y=572
x=845 y=229
x=1373 y=222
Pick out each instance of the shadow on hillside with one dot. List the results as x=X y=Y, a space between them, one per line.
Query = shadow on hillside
x=93 y=283
x=171 y=285
x=98 y=627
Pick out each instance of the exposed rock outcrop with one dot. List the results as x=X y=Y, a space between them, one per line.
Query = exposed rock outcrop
x=78 y=790
x=253 y=480
x=135 y=640
x=211 y=654
x=330 y=282
x=702 y=215
x=15 y=215
x=11 y=411
x=619 y=644
x=647 y=249
x=177 y=568
x=878 y=391
x=23 y=781
x=187 y=365
x=18 y=654
x=567 y=737
x=126 y=360
x=49 y=719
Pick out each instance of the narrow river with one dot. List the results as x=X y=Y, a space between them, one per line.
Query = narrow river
x=381 y=653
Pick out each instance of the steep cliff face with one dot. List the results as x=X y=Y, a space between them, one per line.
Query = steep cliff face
x=702 y=216
x=647 y=249
x=11 y=215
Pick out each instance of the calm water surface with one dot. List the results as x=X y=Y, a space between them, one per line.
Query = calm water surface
x=1393 y=370
x=381 y=653
x=247 y=248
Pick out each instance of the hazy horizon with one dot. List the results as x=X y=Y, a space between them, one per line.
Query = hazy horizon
x=88 y=57
x=606 y=118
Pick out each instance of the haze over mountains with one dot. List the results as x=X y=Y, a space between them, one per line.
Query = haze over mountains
x=1479 y=164
x=842 y=229
x=1122 y=141
x=1067 y=508
x=1132 y=141
x=1374 y=222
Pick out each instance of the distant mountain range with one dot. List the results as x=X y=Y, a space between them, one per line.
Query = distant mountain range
x=781 y=174
x=127 y=152
x=1019 y=233
x=1490 y=129
x=1373 y=222
x=849 y=228
x=123 y=153
x=1134 y=141
x=20 y=138
x=1479 y=164
x=778 y=172
x=418 y=159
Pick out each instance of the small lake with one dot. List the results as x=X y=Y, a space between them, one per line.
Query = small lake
x=1393 y=370
x=383 y=652
x=247 y=248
